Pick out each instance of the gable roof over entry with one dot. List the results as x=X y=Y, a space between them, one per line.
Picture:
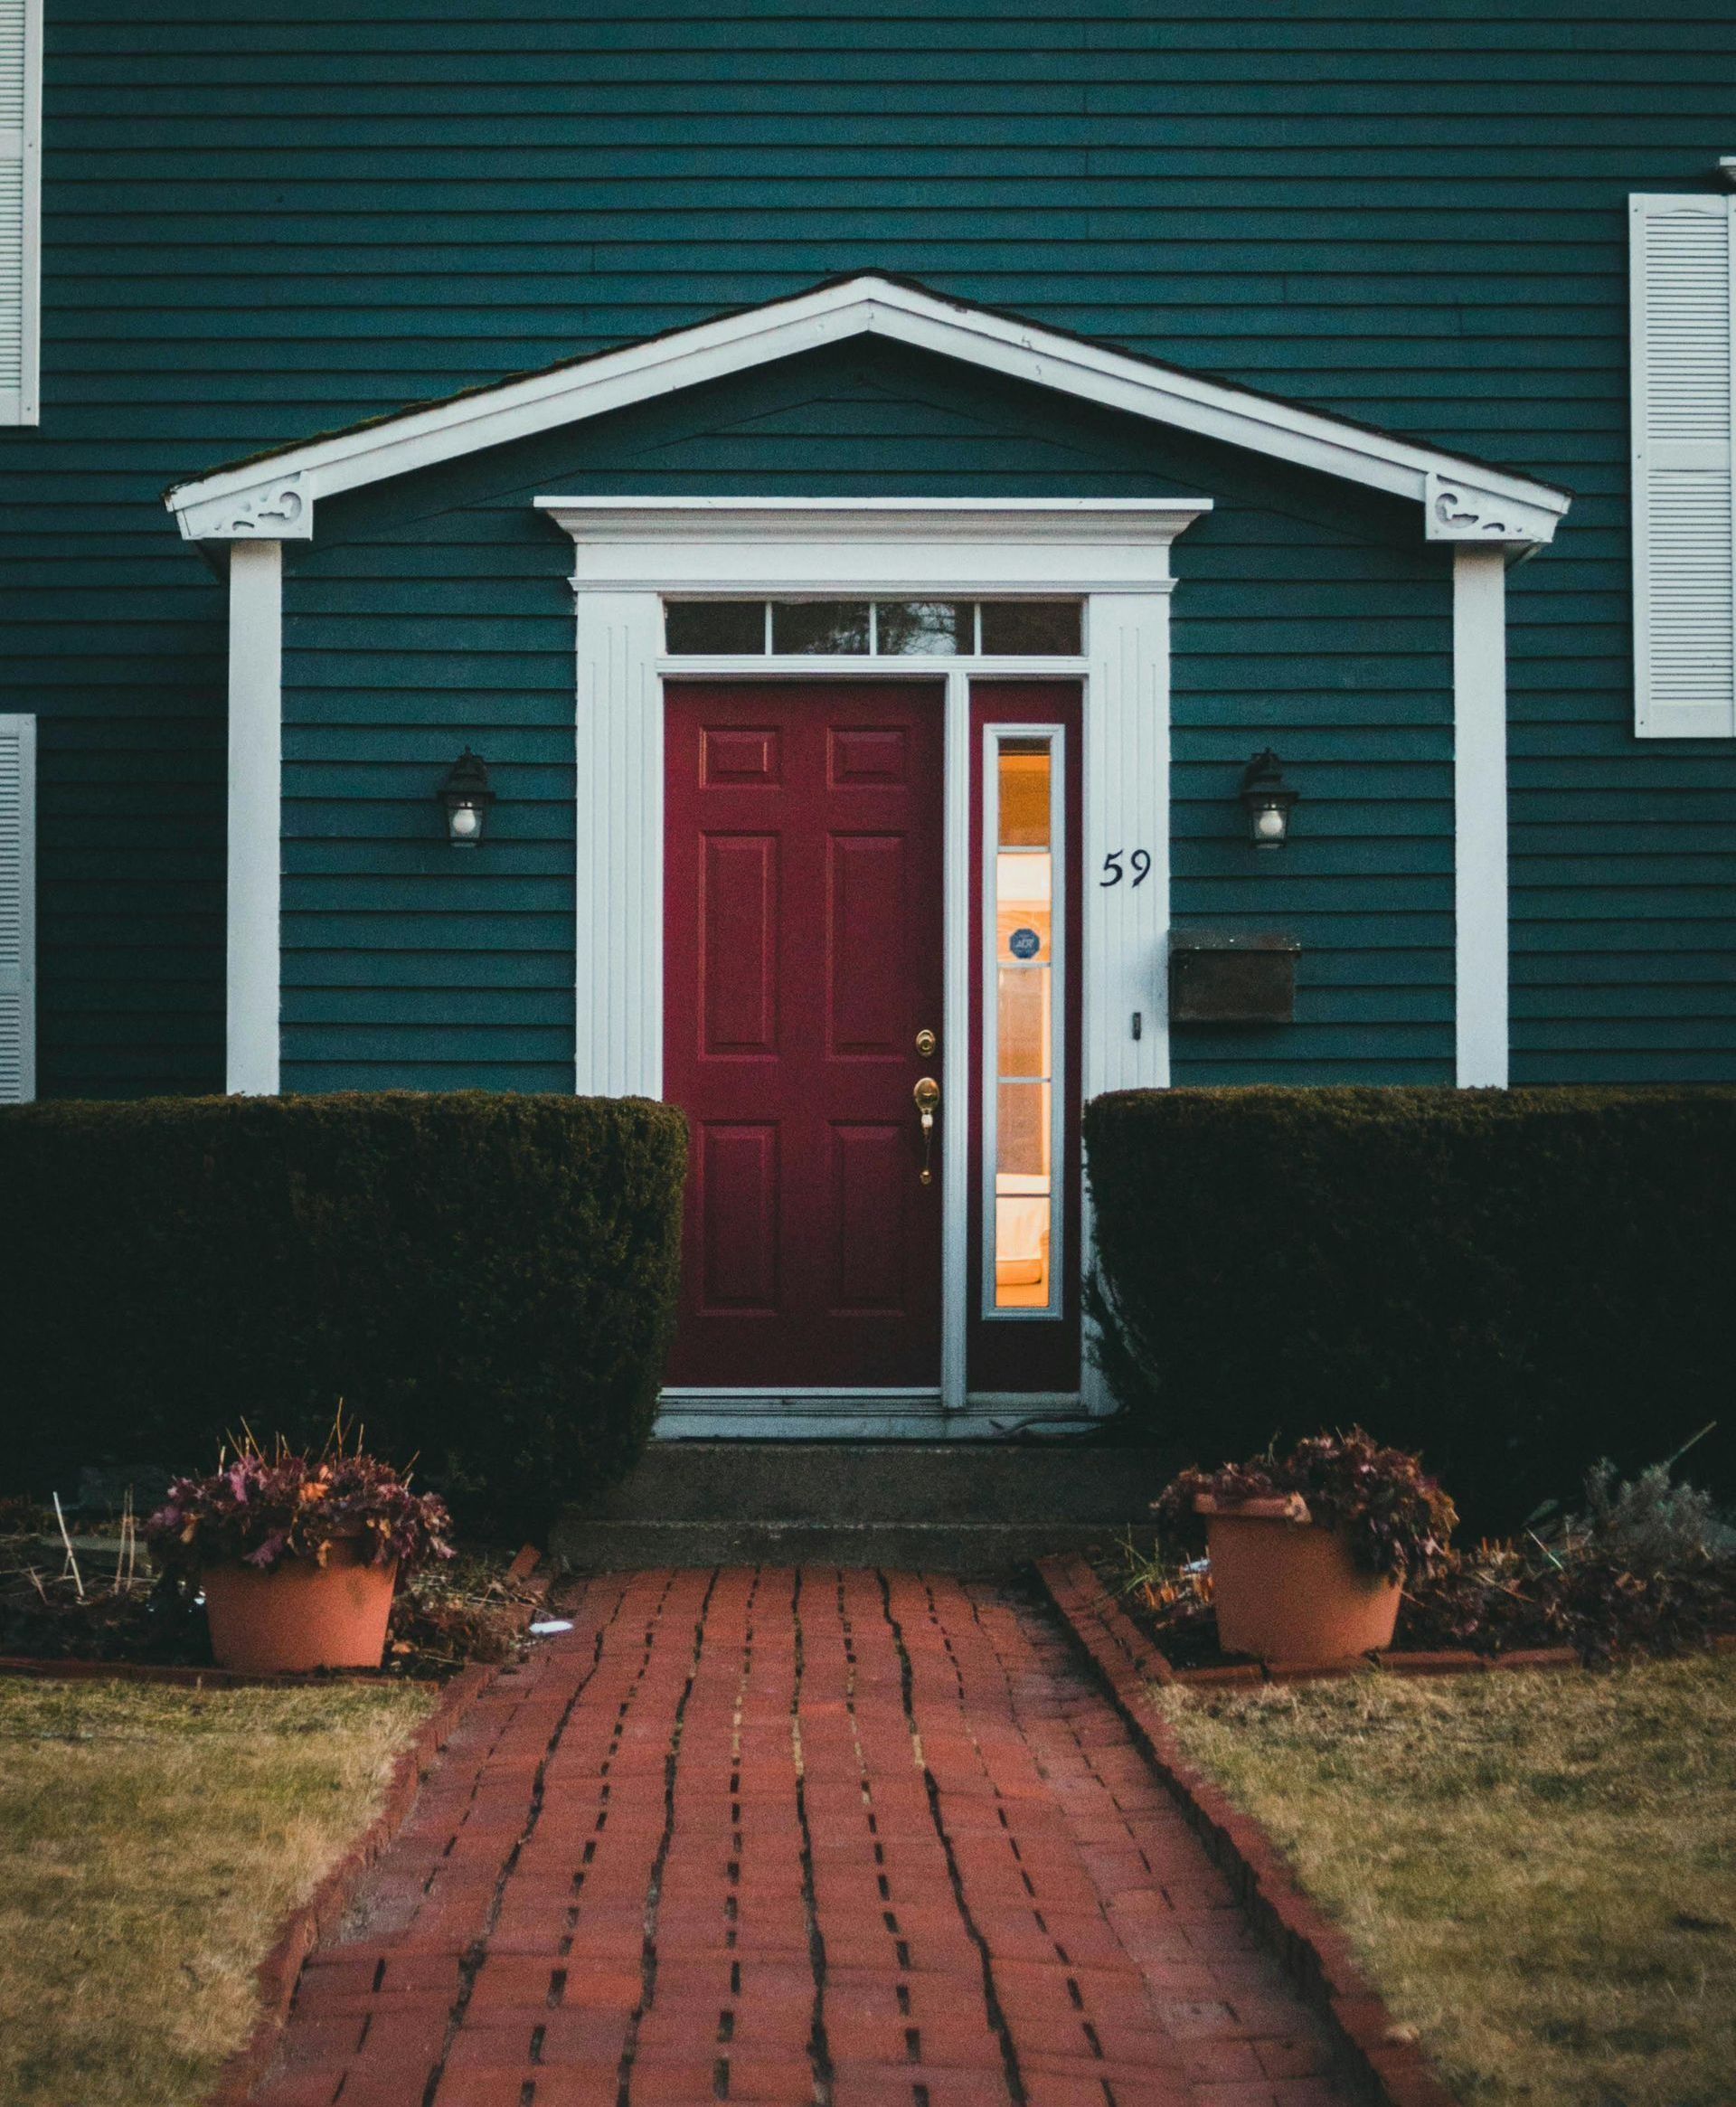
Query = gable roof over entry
x=273 y=497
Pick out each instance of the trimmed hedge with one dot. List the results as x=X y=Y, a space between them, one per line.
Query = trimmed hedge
x=1513 y=1282
x=486 y=1282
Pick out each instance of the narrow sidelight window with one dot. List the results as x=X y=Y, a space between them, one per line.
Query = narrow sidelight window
x=1023 y=924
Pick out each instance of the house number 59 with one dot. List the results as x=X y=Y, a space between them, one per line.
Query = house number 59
x=1113 y=874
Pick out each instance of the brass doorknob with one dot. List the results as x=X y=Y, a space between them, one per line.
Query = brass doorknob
x=927 y=1095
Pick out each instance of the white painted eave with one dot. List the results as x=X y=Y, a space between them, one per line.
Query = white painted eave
x=275 y=497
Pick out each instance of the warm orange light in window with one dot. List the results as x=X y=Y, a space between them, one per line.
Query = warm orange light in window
x=1025 y=1026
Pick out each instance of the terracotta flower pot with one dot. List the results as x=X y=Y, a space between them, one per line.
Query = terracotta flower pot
x=1286 y=1589
x=300 y=1615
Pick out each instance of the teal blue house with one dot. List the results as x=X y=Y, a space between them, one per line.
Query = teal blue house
x=875 y=574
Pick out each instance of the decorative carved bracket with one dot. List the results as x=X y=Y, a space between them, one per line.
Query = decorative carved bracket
x=1455 y=510
x=280 y=510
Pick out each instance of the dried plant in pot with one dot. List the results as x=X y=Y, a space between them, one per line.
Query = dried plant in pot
x=298 y=1556
x=1310 y=1550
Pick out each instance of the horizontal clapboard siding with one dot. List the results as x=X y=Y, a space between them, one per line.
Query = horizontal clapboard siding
x=259 y=229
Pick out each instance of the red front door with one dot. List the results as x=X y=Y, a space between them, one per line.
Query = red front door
x=802 y=954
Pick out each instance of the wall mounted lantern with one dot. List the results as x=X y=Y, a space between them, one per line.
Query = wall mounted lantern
x=1266 y=799
x=464 y=791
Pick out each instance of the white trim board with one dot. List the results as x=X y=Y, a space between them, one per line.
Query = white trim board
x=276 y=496
x=892 y=547
x=1480 y=817
x=255 y=816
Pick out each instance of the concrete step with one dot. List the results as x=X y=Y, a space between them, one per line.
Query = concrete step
x=857 y=1482
x=955 y=1547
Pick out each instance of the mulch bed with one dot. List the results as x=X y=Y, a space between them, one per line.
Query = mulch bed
x=1473 y=1619
x=130 y=1630
x=1180 y=1646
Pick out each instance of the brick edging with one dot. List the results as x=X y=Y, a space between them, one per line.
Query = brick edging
x=1391 y=2069
x=304 y=1926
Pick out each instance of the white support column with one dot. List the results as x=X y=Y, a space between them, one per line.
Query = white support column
x=618 y=993
x=1127 y=807
x=1480 y=814
x=255 y=815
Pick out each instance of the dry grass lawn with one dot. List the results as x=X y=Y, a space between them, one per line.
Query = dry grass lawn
x=1539 y=1870
x=151 y=1840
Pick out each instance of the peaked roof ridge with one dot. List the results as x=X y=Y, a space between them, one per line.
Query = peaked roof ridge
x=271 y=494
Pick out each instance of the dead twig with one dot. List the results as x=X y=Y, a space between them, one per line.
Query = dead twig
x=71 y=1556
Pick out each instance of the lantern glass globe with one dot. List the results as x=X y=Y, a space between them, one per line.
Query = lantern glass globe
x=466 y=823
x=1269 y=825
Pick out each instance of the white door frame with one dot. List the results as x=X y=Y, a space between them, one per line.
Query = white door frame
x=1112 y=553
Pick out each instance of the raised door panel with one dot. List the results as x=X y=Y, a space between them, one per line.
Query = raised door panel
x=740 y=755
x=862 y=754
x=868 y=1191
x=868 y=902
x=735 y=1173
x=739 y=947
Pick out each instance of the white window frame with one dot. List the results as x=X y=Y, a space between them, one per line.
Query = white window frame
x=989 y=1055
x=24 y=143
x=969 y=654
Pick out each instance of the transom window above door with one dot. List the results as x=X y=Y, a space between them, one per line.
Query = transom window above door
x=875 y=628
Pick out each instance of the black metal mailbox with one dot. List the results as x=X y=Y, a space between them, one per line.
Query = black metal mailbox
x=1223 y=977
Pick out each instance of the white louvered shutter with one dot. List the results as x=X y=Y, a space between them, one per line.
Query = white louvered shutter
x=1683 y=322
x=17 y=909
x=20 y=96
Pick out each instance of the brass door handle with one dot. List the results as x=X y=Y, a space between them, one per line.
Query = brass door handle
x=927 y=1095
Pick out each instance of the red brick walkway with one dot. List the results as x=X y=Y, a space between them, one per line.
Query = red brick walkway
x=770 y=1836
